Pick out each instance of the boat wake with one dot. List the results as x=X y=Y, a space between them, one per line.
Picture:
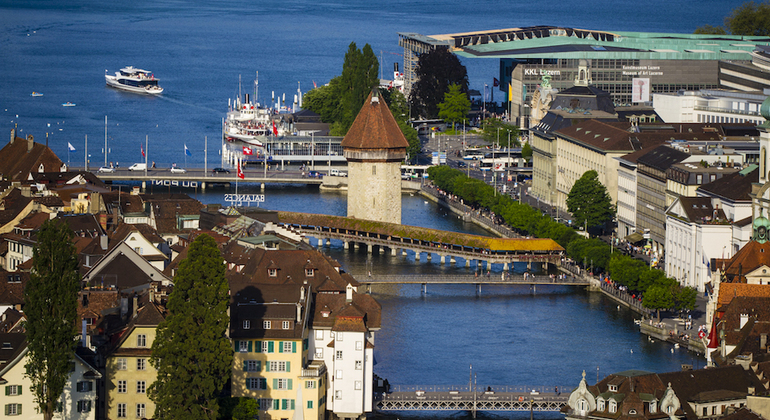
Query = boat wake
x=189 y=104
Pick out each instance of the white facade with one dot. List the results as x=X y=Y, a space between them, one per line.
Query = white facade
x=626 y=198
x=78 y=401
x=709 y=106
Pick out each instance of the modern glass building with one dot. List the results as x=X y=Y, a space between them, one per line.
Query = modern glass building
x=629 y=65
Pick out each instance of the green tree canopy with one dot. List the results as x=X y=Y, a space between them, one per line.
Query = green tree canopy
x=750 y=19
x=50 y=305
x=708 y=29
x=247 y=409
x=589 y=201
x=191 y=351
x=526 y=151
x=455 y=107
x=436 y=70
x=339 y=102
x=658 y=297
x=684 y=298
x=495 y=130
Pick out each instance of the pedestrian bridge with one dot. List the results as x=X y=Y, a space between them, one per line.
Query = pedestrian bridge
x=504 y=278
x=449 y=246
x=473 y=399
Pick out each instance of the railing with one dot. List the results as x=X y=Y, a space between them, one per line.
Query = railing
x=725 y=110
x=481 y=217
x=470 y=279
x=480 y=389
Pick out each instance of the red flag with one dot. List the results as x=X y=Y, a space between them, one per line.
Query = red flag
x=275 y=130
x=240 y=173
x=247 y=151
x=495 y=82
x=142 y=149
x=314 y=85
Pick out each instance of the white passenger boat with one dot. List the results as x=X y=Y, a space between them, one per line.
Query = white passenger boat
x=134 y=80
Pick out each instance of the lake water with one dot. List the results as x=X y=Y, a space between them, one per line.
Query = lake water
x=198 y=49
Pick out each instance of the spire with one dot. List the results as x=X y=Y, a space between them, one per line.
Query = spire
x=583 y=76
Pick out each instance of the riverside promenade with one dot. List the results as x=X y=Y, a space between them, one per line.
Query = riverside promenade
x=670 y=328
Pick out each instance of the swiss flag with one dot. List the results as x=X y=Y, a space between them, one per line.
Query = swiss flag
x=247 y=151
x=141 y=148
x=275 y=130
x=240 y=173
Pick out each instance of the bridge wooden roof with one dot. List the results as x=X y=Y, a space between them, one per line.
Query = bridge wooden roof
x=424 y=234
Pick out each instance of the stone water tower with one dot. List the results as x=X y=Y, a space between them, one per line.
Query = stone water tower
x=374 y=148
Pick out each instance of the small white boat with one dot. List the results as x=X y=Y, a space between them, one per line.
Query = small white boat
x=36 y=94
x=68 y=104
x=134 y=80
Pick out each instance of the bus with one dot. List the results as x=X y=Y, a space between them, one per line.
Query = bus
x=474 y=154
x=414 y=172
x=502 y=160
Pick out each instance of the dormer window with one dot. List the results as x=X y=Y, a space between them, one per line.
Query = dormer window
x=272 y=272
x=246 y=324
x=600 y=404
x=653 y=407
x=266 y=325
x=309 y=272
x=613 y=388
x=613 y=406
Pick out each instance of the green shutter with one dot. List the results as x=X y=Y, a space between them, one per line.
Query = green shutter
x=7 y=391
x=276 y=404
x=249 y=349
x=275 y=383
x=304 y=344
x=237 y=346
x=289 y=384
x=292 y=404
x=18 y=389
x=280 y=347
x=284 y=404
x=18 y=409
x=293 y=346
x=259 y=366
x=262 y=383
x=258 y=346
x=267 y=366
x=270 y=346
x=245 y=365
x=288 y=366
x=310 y=404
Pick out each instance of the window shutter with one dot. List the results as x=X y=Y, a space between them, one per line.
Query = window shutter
x=18 y=409
x=304 y=345
x=237 y=346
x=284 y=404
x=259 y=366
x=310 y=404
x=288 y=366
x=258 y=346
x=276 y=404
x=7 y=409
x=7 y=391
x=292 y=403
x=262 y=383
x=18 y=389
x=289 y=383
x=245 y=365
x=275 y=383
x=249 y=346
x=270 y=346
x=293 y=346
x=280 y=347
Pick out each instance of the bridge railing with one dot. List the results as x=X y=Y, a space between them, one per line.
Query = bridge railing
x=532 y=390
x=481 y=217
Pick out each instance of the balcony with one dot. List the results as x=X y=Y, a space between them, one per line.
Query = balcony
x=725 y=110
x=315 y=369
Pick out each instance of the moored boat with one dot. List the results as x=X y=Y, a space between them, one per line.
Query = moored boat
x=134 y=80
x=36 y=94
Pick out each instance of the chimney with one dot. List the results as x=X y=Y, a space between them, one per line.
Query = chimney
x=30 y=142
x=763 y=341
x=752 y=390
x=136 y=306
x=301 y=294
x=123 y=307
x=349 y=293
x=103 y=242
x=744 y=319
x=115 y=218
x=299 y=312
x=13 y=135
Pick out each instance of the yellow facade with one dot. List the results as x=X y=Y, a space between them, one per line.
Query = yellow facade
x=129 y=375
x=275 y=373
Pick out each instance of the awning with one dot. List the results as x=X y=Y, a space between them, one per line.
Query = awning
x=634 y=237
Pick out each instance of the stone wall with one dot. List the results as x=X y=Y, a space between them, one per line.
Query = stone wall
x=374 y=191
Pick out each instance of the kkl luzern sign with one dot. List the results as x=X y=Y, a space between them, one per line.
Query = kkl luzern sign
x=239 y=199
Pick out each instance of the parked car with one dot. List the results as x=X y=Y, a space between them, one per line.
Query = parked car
x=138 y=167
x=176 y=170
x=220 y=171
x=337 y=172
x=106 y=169
x=315 y=174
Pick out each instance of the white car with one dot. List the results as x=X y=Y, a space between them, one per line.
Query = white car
x=176 y=170
x=138 y=167
x=106 y=169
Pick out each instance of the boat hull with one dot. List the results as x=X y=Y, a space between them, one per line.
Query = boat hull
x=113 y=82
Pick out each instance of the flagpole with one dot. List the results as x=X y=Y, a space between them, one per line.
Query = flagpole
x=146 y=151
x=85 y=156
x=206 y=154
x=105 y=141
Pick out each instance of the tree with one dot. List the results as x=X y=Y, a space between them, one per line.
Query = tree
x=495 y=130
x=436 y=70
x=455 y=106
x=710 y=30
x=526 y=151
x=247 y=409
x=339 y=102
x=191 y=351
x=50 y=305
x=658 y=297
x=589 y=201
x=684 y=298
x=750 y=19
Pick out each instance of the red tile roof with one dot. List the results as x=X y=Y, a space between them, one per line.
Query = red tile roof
x=375 y=128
